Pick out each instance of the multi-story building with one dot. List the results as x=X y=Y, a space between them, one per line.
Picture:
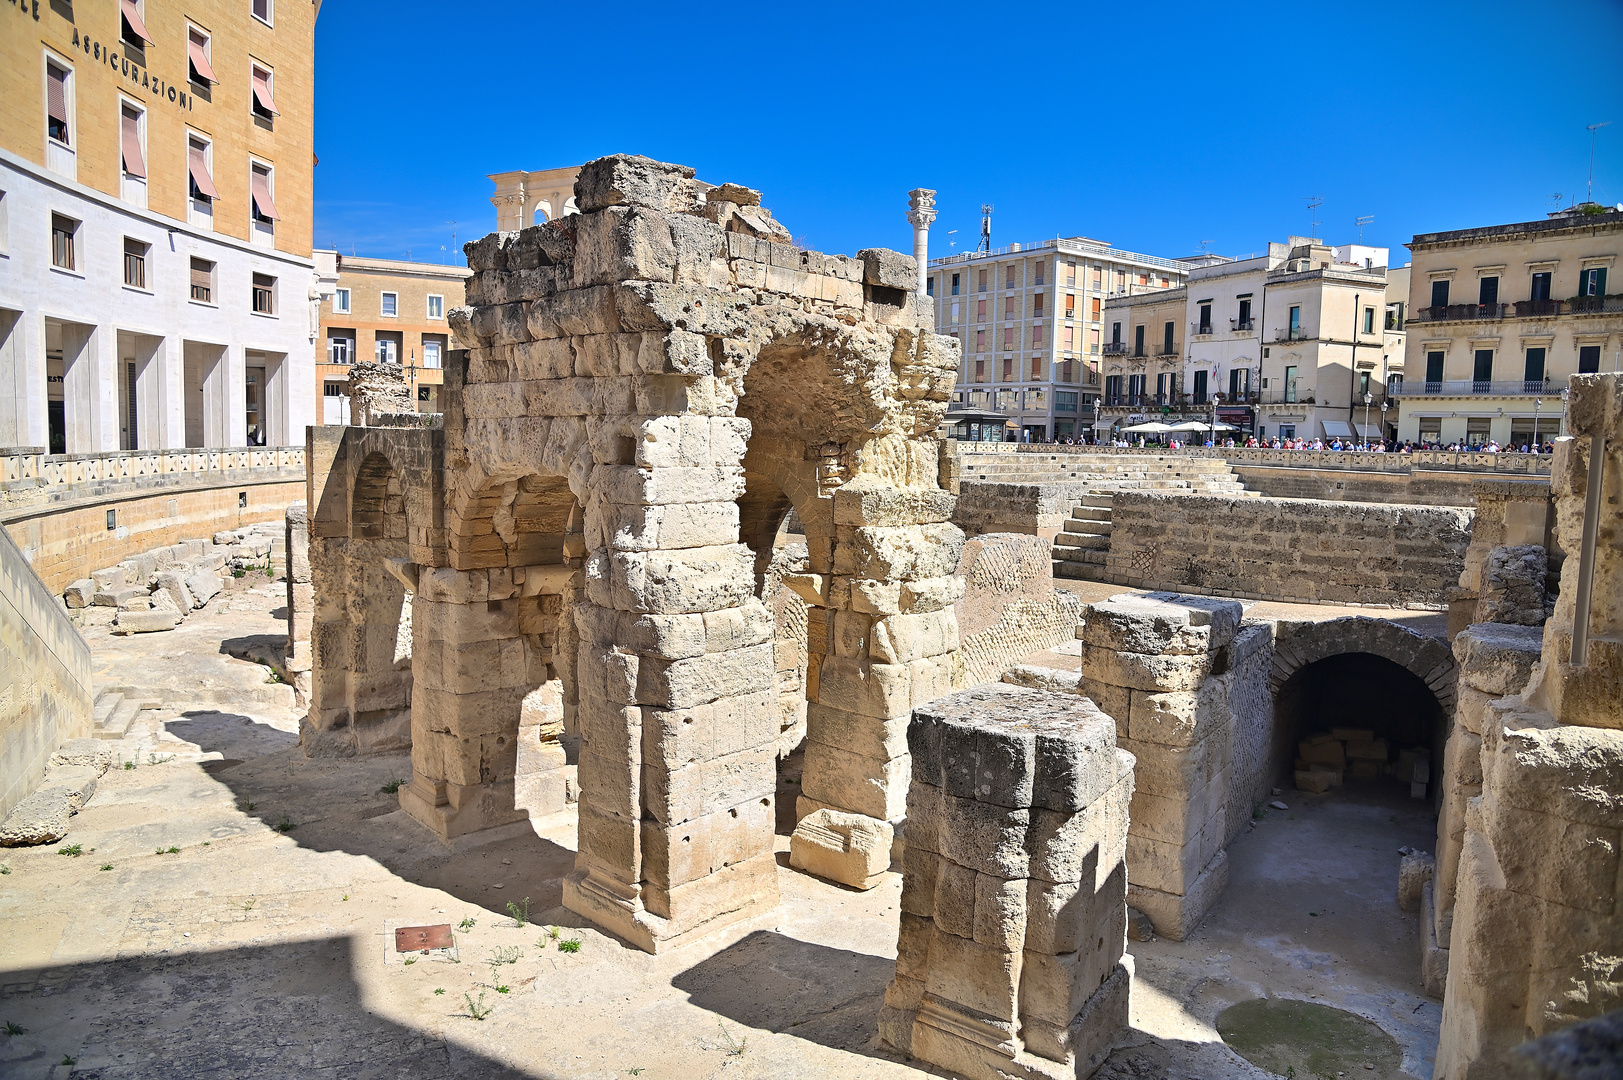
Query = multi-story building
x=1030 y=320
x=1500 y=316
x=156 y=281
x=392 y=312
x=1287 y=343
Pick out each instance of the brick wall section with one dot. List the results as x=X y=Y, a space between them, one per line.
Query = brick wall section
x=1298 y=550
x=45 y=696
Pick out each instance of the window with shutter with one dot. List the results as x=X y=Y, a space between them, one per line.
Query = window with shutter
x=1439 y=294
x=56 y=103
x=263 y=104
x=199 y=70
x=264 y=207
x=134 y=28
x=197 y=165
x=203 y=281
x=1588 y=359
x=135 y=162
x=262 y=10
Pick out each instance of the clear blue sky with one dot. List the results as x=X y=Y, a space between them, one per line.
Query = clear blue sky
x=1151 y=126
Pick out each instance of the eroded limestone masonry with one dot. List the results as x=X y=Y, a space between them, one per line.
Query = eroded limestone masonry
x=655 y=382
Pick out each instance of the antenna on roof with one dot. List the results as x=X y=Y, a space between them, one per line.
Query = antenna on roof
x=986 y=228
x=951 y=243
x=1313 y=204
x=1205 y=246
x=453 y=234
x=1367 y=219
x=1590 y=197
x=1556 y=199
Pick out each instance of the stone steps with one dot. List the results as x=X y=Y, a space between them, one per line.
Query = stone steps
x=115 y=711
x=1080 y=549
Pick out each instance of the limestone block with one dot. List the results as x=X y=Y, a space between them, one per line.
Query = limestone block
x=1175 y=915
x=856 y=685
x=855 y=783
x=1587 y=1050
x=111 y=577
x=1064 y=846
x=690 y=792
x=1152 y=672
x=1091 y=1035
x=1414 y=871
x=1513 y=586
x=143 y=622
x=1058 y=680
x=980 y=978
x=849 y=848
x=203 y=587
x=1165 y=623
x=673 y=582
x=931 y=594
x=633 y=180
x=1317 y=781
x=893 y=506
x=80 y=593
x=897 y=639
x=1323 y=750
x=1497 y=658
x=1015 y=747
x=620 y=244
x=703 y=846
x=954 y=895
x=138 y=602
x=173 y=585
x=1369 y=750
x=899 y=553
x=680 y=684
x=890 y=269
x=874 y=737
x=115 y=597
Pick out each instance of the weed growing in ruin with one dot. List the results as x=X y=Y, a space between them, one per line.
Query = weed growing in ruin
x=171 y=850
x=247 y=806
x=15 y=1029
x=1258 y=812
x=239 y=573
x=346 y=896
x=106 y=866
x=550 y=935
x=74 y=850
x=477 y=1010
x=571 y=945
x=508 y=955
x=501 y=988
x=392 y=787
x=521 y=915
x=635 y=1070
x=285 y=824
x=4 y=869
x=410 y=960
x=247 y=905
x=129 y=764
x=439 y=991
x=466 y=924
x=734 y=1047
x=68 y=1059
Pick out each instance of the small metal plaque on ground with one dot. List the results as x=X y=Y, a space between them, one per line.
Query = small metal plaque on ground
x=422 y=938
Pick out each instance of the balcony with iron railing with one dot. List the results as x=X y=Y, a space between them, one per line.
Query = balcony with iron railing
x=1460 y=313
x=1115 y=348
x=1168 y=349
x=1203 y=330
x=1292 y=333
x=1475 y=387
x=1595 y=305
x=1521 y=309
x=1286 y=396
x=1242 y=326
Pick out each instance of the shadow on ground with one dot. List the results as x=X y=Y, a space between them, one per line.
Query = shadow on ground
x=293 y=1009
x=349 y=805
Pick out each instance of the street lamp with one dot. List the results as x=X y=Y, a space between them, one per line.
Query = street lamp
x=1365 y=433
x=1538 y=403
x=1383 y=424
x=1564 y=395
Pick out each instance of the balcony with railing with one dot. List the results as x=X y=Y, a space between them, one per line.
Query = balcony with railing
x=1203 y=330
x=1460 y=313
x=1596 y=305
x=1286 y=396
x=1292 y=333
x=1138 y=401
x=1241 y=326
x=1115 y=348
x=1537 y=309
x=1473 y=387
x=1168 y=349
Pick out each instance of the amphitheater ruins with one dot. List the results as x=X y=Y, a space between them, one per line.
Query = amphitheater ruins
x=684 y=581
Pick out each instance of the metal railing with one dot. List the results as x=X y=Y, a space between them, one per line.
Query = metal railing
x=1459 y=313
x=1533 y=309
x=1203 y=329
x=1596 y=305
x=1239 y=325
x=1292 y=333
x=1465 y=387
x=1115 y=348
x=1071 y=247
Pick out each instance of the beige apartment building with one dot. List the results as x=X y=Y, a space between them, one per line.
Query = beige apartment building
x=392 y=312
x=156 y=279
x=1500 y=316
x=1296 y=342
x=1030 y=318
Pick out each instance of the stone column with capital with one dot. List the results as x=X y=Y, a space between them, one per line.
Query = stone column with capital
x=920 y=212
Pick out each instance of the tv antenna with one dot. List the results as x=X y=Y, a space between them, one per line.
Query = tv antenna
x=951 y=243
x=986 y=228
x=453 y=234
x=1205 y=246
x=1313 y=204
x=1590 y=196
x=1367 y=219
x=1556 y=199
x=442 y=253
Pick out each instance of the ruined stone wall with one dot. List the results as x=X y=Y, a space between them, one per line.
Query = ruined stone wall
x=1034 y=509
x=1288 y=549
x=1255 y=761
x=1534 y=942
x=1423 y=487
x=45 y=687
x=1009 y=607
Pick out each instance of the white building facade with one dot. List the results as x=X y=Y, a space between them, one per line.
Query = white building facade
x=160 y=334
x=1030 y=318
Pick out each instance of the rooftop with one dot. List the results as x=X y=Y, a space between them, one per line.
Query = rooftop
x=1588 y=215
x=1074 y=245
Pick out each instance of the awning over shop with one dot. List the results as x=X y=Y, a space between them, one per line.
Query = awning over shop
x=1337 y=429
x=1368 y=431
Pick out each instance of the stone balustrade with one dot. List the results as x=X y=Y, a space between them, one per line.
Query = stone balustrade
x=1343 y=460
x=30 y=477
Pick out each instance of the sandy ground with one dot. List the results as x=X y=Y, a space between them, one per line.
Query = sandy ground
x=264 y=945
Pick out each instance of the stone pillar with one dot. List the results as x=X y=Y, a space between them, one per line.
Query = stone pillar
x=880 y=643
x=1154 y=663
x=920 y=212
x=377 y=389
x=301 y=599
x=1010 y=958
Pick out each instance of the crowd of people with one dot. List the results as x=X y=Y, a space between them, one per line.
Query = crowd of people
x=1373 y=446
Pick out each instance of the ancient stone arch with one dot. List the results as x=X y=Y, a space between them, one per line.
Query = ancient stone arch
x=1430 y=660
x=650 y=380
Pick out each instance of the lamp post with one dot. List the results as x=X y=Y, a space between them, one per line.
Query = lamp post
x=1383 y=424
x=1365 y=433
x=1538 y=403
x=1564 y=394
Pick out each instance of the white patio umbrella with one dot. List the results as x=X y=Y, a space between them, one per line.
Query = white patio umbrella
x=1154 y=427
x=1202 y=425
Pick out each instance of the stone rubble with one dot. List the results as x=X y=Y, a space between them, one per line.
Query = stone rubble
x=69 y=782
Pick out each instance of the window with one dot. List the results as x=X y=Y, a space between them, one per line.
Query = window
x=135 y=263
x=431 y=354
x=980 y=311
x=1245 y=314
x=203 y=281
x=1138 y=340
x=340 y=301
x=1439 y=294
x=1070 y=305
x=1008 y=369
x=1363 y=382
x=1037 y=306
x=387 y=351
x=1036 y=337
x=1592 y=282
x=1482 y=368
x=980 y=371
x=981 y=282
x=1065 y=401
x=929 y=286
x=201 y=180
x=389 y=305
x=1200 y=387
x=1115 y=333
x=1093 y=310
x=1588 y=359
x=260 y=100
x=1070 y=274
x=130 y=130
x=1008 y=337
x=1167 y=347
x=64 y=233
x=1394 y=316
x=955 y=284
x=1369 y=320
x=1069 y=338
x=1488 y=290
x=1036 y=367
x=1008 y=306
x=436 y=306
x=260 y=182
x=1205 y=326
x=1009 y=281
x=58 y=96
x=133 y=28
x=340 y=350
x=332 y=389
x=262 y=10
x=1038 y=279
x=1541 y=286
x=264 y=294
x=198 y=68
x=954 y=316
x=1098 y=277
x=1434 y=367
x=1296 y=322
x=1290 y=382
x=1093 y=341
x=1534 y=369
x=980 y=341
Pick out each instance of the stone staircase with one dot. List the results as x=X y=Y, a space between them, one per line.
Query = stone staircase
x=115 y=710
x=1080 y=550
